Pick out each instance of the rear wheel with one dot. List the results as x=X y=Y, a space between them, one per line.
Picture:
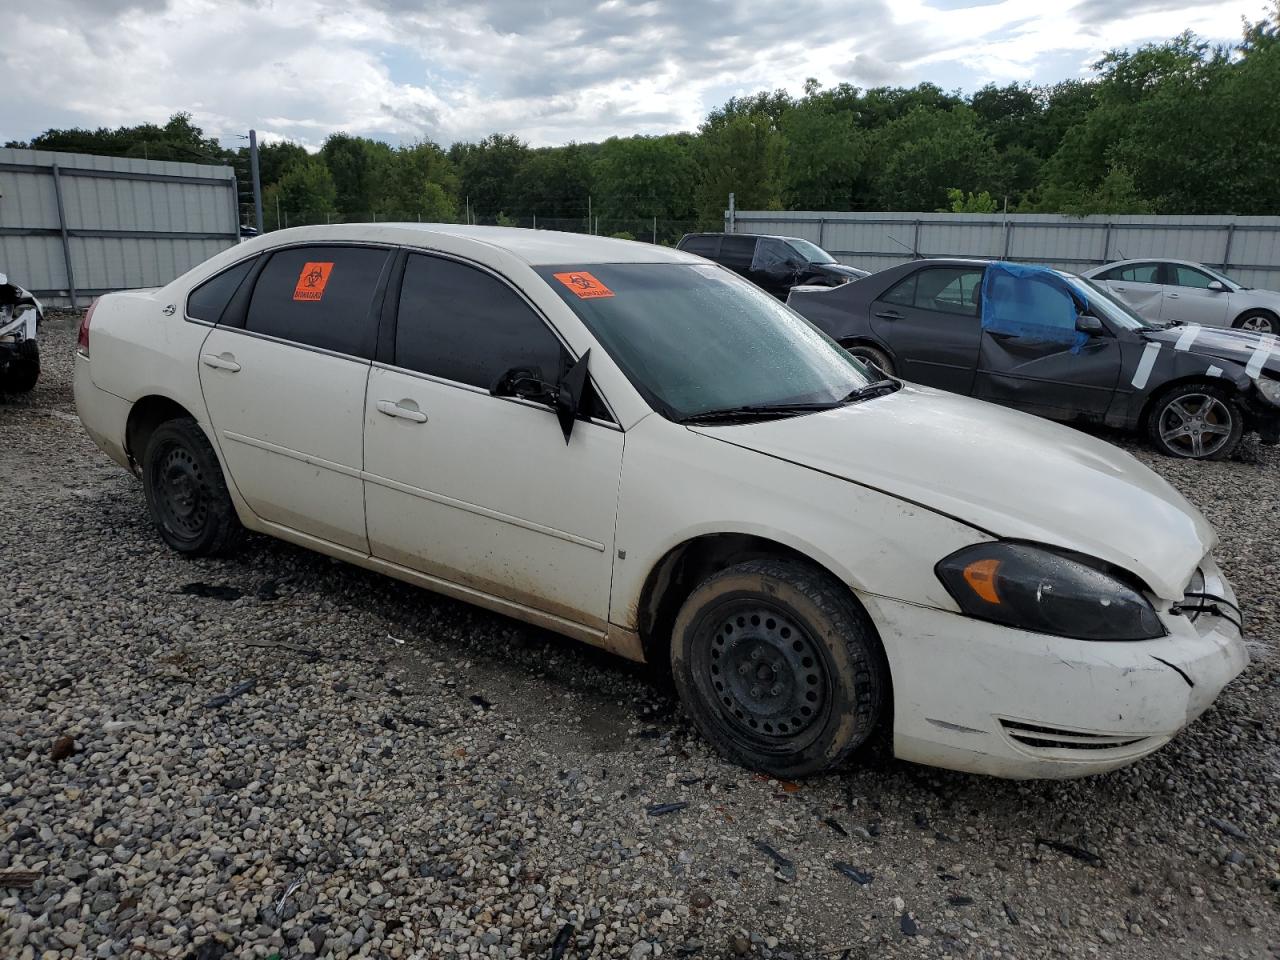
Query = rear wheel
x=870 y=354
x=1196 y=421
x=186 y=493
x=1259 y=321
x=779 y=667
x=23 y=371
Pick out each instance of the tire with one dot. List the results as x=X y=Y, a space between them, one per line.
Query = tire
x=1196 y=421
x=795 y=628
x=866 y=352
x=186 y=492
x=1259 y=321
x=24 y=371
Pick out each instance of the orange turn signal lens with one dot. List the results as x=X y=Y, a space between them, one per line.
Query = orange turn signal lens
x=981 y=578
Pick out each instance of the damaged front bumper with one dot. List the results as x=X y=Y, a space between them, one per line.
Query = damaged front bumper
x=20 y=315
x=982 y=698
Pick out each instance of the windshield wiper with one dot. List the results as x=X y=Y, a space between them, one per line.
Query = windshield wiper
x=758 y=411
x=877 y=389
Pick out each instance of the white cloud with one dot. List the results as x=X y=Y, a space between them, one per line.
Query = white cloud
x=548 y=70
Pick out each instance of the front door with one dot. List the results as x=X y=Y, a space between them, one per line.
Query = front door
x=284 y=385
x=1188 y=299
x=480 y=490
x=1048 y=378
x=930 y=321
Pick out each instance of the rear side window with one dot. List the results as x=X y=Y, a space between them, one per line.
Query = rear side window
x=773 y=255
x=949 y=290
x=465 y=325
x=319 y=296
x=1136 y=273
x=737 y=251
x=207 y=301
x=702 y=246
x=904 y=293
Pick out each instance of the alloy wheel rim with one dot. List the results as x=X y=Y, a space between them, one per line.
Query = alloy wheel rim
x=1196 y=425
x=1257 y=324
x=765 y=675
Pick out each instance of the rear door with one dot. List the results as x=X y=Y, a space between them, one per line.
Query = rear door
x=479 y=490
x=930 y=321
x=1140 y=285
x=1188 y=299
x=284 y=377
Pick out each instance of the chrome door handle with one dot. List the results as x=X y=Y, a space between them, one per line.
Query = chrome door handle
x=393 y=409
x=224 y=361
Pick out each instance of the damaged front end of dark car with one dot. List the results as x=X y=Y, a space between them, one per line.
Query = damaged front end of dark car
x=20 y=317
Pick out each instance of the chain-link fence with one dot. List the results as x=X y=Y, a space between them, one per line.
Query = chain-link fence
x=645 y=229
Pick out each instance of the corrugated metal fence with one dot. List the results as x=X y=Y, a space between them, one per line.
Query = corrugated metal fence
x=73 y=225
x=1245 y=248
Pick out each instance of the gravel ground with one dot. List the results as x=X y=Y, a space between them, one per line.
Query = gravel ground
x=277 y=754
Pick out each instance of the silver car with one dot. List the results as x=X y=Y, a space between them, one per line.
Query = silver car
x=1188 y=292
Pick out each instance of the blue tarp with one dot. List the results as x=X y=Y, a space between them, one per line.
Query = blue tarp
x=1031 y=302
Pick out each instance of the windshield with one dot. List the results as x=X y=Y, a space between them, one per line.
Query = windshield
x=811 y=252
x=694 y=338
x=1103 y=305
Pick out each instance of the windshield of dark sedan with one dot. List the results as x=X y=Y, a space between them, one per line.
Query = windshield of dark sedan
x=694 y=338
x=1103 y=305
x=811 y=252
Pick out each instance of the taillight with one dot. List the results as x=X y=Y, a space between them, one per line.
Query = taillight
x=82 y=342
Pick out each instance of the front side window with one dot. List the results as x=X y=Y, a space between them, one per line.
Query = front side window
x=773 y=255
x=1190 y=277
x=463 y=324
x=320 y=297
x=210 y=299
x=811 y=252
x=695 y=338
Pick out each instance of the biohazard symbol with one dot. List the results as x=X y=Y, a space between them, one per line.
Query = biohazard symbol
x=312 y=281
x=584 y=285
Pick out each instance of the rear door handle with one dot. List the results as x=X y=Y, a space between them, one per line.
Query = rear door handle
x=223 y=361
x=889 y=315
x=393 y=409
x=1173 y=296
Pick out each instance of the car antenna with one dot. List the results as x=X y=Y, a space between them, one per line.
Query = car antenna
x=914 y=252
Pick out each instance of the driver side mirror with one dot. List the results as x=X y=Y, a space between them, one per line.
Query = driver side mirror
x=565 y=397
x=1217 y=286
x=1088 y=323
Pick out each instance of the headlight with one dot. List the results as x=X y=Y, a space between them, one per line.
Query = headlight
x=1038 y=589
x=1270 y=390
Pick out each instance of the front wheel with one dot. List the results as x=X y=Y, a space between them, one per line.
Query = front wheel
x=186 y=493
x=779 y=667
x=1196 y=421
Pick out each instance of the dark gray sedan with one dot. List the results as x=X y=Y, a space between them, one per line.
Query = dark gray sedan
x=1059 y=346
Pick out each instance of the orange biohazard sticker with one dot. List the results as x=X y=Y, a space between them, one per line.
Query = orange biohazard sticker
x=584 y=285
x=312 y=280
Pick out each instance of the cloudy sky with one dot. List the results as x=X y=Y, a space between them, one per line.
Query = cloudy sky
x=549 y=70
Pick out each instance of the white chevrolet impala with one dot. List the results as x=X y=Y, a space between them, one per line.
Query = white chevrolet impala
x=636 y=448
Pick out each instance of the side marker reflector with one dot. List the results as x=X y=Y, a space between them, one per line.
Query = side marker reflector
x=981 y=578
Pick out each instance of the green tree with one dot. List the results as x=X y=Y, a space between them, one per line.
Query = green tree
x=638 y=178
x=744 y=156
x=179 y=139
x=304 y=194
x=824 y=153
x=488 y=172
x=359 y=167
x=554 y=182
x=960 y=202
x=917 y=158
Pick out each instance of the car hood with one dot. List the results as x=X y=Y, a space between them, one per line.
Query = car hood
x=1239 y=346
x=1008 y=473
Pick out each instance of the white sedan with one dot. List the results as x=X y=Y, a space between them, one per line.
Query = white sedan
x=638 y=449
x=1181 y=291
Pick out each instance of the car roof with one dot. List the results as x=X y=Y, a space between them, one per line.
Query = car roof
x=753 y=236
x=1133 y=260
x=534 y=247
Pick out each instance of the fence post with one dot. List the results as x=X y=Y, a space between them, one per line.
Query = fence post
x=66 y=243
x=1008 y=237
x=257 y=184
x=915 y=243
x=1106 y=244
x=732 y=216
x=1226 y=254
x=822 y=232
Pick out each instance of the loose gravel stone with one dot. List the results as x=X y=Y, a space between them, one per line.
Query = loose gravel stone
x=474 y=787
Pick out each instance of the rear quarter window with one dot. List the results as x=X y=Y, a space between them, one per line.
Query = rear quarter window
x=208 y=300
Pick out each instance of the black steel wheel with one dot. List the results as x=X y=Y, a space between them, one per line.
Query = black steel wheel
x=186 y=493
x=779 y=667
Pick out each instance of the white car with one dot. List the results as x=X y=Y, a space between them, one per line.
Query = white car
x=637 y=448
x=1181 y=291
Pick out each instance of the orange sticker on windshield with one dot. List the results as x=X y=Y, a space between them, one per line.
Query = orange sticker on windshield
x=584 y=285
x=312 y=280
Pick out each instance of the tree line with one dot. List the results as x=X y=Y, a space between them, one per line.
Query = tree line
x=1180 y=127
